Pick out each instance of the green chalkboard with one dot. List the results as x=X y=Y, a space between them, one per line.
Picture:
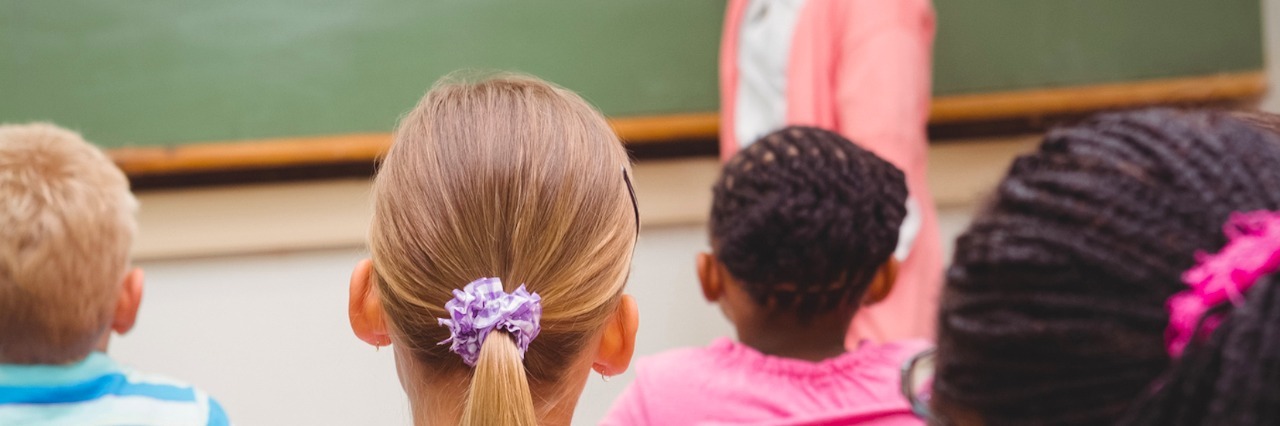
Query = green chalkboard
x=164 y=71
x=151 y=72
x=988 y=45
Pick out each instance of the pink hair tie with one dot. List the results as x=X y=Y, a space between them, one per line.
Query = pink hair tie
x=1252 y=251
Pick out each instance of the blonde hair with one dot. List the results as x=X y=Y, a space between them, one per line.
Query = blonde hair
x=509 y=177
x=66 y=226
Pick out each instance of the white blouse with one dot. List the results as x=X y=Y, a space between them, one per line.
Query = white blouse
x=763 y=52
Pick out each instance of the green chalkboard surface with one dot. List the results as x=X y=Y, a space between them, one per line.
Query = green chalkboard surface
x=168 y=71
x=154 y=73
x=989 y=45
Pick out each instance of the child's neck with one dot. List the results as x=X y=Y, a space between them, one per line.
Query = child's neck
x=820 y=339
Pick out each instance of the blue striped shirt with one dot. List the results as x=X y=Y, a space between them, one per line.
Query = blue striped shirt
x=97 y=391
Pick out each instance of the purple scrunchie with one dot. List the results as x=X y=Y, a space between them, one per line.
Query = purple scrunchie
x=483 y=306
x=1252 y=251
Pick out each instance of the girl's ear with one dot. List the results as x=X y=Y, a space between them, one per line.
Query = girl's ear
x=882 y=284
x=709 y=276
x=618 y=342
x=364 y=308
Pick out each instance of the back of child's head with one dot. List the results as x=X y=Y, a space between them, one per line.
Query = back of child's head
x=66 y=227
x=1228 y=376
x=1055 y=306
x=514 y=178
x=804 y=219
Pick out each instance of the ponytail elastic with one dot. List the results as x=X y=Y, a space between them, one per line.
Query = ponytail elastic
x=481 y=307
x=1252 y=251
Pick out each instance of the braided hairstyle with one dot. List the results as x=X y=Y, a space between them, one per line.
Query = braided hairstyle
x=1229 y=379
x=1054 y=308
x=804 y=219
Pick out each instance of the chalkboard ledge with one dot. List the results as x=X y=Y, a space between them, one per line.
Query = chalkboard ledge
x=283 y=153
x=350 y=154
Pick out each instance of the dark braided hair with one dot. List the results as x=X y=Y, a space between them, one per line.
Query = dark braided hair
x=1054 y=308
x=804 y=219
x=1232 y=378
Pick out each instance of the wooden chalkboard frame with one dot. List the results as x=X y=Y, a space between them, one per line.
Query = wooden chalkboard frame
x=272 y=154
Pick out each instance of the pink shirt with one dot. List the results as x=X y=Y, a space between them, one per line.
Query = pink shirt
x=862 y=68
x=728 y=383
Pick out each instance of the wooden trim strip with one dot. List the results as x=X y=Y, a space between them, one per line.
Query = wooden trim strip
x=279 y=153
x=251 y=155
x=360 y=147
x=1082 y=99
x=664 y=128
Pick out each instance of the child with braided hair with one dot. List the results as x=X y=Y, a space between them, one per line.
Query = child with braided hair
x=804 y=225
x=1055 y=309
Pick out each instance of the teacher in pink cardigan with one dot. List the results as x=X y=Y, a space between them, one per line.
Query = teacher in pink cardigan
x=862 y=69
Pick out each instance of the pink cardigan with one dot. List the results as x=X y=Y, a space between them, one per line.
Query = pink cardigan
x=862 y=68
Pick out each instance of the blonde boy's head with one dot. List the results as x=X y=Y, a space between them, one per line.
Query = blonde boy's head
x=66 y=226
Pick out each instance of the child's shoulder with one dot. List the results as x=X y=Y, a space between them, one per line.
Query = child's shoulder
x=688 y=366
x=97 y=388
x=671 y=387
x=173 y=393
x=892 y=354
x=905 y=348
x=682 y=359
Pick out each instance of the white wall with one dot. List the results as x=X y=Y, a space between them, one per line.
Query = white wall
x=1271 y=43
x=267 y=335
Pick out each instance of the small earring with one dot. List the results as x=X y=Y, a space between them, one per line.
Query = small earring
x=604 y=377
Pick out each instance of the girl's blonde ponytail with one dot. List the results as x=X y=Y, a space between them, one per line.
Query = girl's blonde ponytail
x=515 y=179
x=499 y=393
